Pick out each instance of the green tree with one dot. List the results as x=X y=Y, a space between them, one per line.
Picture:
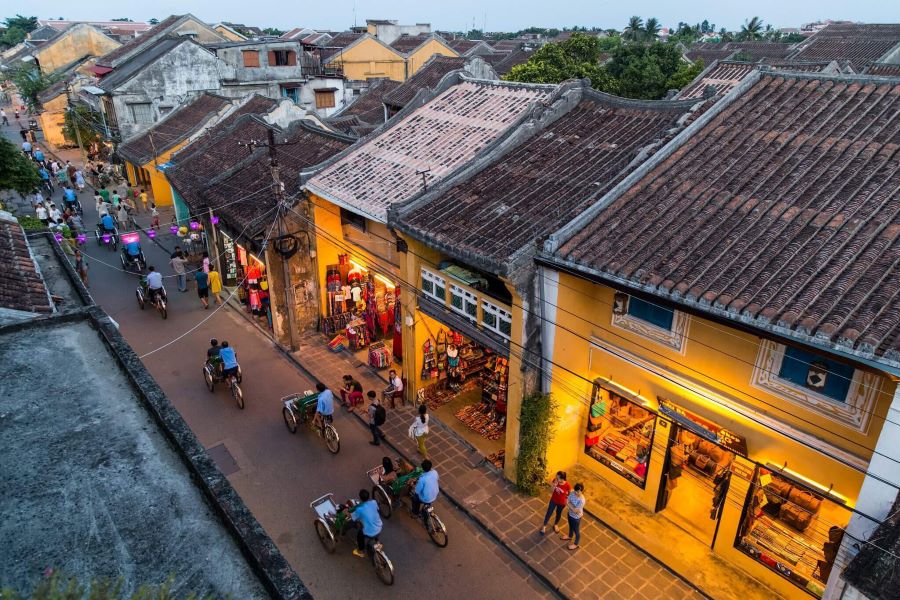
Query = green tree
x=634 y=31
x=272 y=31
x=26 y=24
x=536 y=425
x=87 y=123
x=742 y=56
x=705 y=27
x=12 y=36
x=793 y=38
x=647 y=71
x=652 y=28
x=475 y=34
x=16 y=171
x=684 y=75
x=576 y=58
x=31 y=82
x=153 y=21
x=751 y=30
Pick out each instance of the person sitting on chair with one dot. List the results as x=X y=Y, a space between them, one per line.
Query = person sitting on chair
x=394 y=390
x=107 y=223
x=212 y=354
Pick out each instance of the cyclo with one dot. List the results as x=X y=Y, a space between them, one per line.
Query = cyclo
x=301 y=409
x=333 y=521
x=213 y=374
x=132 y=254
x=157 y=299
x=390 y=495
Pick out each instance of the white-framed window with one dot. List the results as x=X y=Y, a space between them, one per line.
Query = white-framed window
x=434 y=286
x=829 y=387
x=464 y=302
x=496 y=319
x=653 y=321
x=142 y=112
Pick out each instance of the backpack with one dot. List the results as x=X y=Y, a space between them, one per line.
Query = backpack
x=380 y=415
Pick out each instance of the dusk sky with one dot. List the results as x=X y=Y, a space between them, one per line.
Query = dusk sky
x=499 y=15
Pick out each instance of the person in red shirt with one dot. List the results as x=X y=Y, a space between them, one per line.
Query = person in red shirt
x=561 y=489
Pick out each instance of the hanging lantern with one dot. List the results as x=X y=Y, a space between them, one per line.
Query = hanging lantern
x=81 y=238
x=58 y=236
x=195 y=225
x=151 y=233
x=173 y=229
x=106 y=238
x=215 y=220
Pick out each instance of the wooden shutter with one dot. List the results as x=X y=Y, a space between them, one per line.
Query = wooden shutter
x=271 y=58
x=324 y=99
x=291 y=58
x=251 y=58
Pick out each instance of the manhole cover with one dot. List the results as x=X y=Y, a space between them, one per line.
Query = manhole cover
x=223 y=459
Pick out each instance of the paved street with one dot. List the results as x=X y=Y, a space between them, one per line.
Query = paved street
x=279 y=474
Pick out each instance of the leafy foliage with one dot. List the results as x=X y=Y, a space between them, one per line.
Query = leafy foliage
x=634 y=31
x=537 y=423
x=751 y=30
x=153 y=21
x=30 y=223
x=17 y=172
x=793 y=38
x=31 y=82
x=272 y=31
x=58 y=587
x=575 y=58
x=12 y=36
x=82 y=117
x=26 y=24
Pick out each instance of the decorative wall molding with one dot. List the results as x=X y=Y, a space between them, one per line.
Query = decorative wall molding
x=675 y=338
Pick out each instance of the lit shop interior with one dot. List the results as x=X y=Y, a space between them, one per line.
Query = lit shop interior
x=245 y=274
x=463 y=368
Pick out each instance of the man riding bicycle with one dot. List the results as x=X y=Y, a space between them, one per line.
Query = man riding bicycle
x=70 y=198
x=427 y=489
x=154 y=282
x=109 y=226
x=324 y=405
x=229 y=361
x=366 y=514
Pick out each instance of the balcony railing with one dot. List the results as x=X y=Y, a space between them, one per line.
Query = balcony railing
x=482 y=310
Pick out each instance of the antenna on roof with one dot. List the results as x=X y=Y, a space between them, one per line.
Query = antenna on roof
x=354 y=13
x=424 y=174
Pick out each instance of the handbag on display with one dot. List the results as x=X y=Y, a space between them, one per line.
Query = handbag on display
x=796 y=517
x=805 y=499
x=441 y=345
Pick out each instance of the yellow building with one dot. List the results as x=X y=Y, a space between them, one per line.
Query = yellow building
x=54 y=102
x=362 y=57
x=147 y=154
x=228 y=33
x=72 y=45
x=418 y=49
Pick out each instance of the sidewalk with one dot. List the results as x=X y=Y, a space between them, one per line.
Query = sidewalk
x=607 y=566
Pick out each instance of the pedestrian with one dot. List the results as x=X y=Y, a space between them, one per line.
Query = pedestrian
x=24 y=133
x=61 y=177
x=81 y=267
x=143 y=198
x=419 y=430
x=154 y=214
x=206 y=262
x=26 y=148
x=38 y=155
x=79 y=180
x=16 y=112
x=116 y=198
x=177 y=262
x=202 y=279
x=215 y=284
x=575 y=504
x=3 y=115
x=377 y=418
x=42 y=214
x=70 y=170
x=558 y=497
x=131 y=194
x=104 y=193
x=122 y=215
x=55 y=215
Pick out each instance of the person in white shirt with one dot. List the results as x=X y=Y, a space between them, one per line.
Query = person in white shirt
x=42 y=213
x=154 y=283
x=419 y=430
x=55 y=215
x=394 y=390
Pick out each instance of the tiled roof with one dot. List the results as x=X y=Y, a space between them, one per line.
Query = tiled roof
x=757 y=51
x=861 y=44
x=307 y=146
x=551 y=177
x=108 y=59
x=782 y=212
x=721 y=75
x=407 y=43
x=338 y=43
x=439 y=137
x=134 y=65
x=21 y=285
x=368 y=107
x=883 y=70
x=175 y=128
x=503 y=63
x=820 y=66
x=708 y=55
x=426 y=77
x=506 y=45
x=463 y=45
x=255 y=105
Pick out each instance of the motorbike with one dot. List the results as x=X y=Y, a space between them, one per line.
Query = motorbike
x=159 y=301
x=212 y=375
x=333 y=522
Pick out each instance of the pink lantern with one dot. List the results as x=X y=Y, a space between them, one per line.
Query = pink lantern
x=151 y=233
x=195 y=225
x=81 y=238
x=215 y=220
x=173 y=229
x=58 y=236
x=106 y=238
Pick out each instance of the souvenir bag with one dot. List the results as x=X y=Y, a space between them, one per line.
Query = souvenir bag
x=441 y=342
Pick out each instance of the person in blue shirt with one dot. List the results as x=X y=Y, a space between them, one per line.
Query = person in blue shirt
x=107 y=223
x=38 y=155
x=69 y=197
x=133 y=249
x=366 y=514
x=45 y=176
x=427 y=489
x=229 y=360
x=324 y=405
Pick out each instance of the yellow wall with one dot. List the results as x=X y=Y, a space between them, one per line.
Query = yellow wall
x=718 y=378
x=228 y=34
x=426 y=51
x=52 y=120
x=369 y=59
x=78 y=42
x=159 y=185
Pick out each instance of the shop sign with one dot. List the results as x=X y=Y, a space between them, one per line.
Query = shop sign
x=230 y=259
x=702 y=427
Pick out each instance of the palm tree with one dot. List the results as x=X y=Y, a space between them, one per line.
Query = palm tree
x=635 y=29
x=651 y=29
x=752 y=30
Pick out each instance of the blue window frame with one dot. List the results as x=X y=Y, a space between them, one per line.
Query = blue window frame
x=796 y=365
x=652 y=313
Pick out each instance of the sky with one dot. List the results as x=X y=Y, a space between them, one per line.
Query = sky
x=459 y=15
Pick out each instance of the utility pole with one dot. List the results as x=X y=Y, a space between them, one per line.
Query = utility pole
x=279 y=215
x=74 y=119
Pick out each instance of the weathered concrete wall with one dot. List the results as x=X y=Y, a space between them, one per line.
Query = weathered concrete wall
x=171 y=81
x=78 y=41
x=305 y=288
x=234 y=57
x=342 y=95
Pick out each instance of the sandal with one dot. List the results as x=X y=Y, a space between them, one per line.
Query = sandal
x=573 y=547
x=556 y=529
x=564 y=538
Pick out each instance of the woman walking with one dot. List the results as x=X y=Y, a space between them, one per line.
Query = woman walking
x=575 y=504
x=419 y=430
x=81 y=267
x=558 y=498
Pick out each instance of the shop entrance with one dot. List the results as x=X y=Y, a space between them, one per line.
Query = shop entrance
x=465 y=385
x=697 y=472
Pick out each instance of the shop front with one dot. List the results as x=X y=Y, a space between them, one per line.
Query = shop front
x=246 y=276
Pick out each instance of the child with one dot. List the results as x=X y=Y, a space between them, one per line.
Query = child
x=154 y=214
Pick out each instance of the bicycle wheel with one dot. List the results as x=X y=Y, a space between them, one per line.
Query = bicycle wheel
x=210 y=383
x=163 y=311
x=237 y=394
x=383 y=567
x=332 y=440
x=325 y=536
x=385 y=507
x=140 y=299
x=436 y=530
x=289 y=419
